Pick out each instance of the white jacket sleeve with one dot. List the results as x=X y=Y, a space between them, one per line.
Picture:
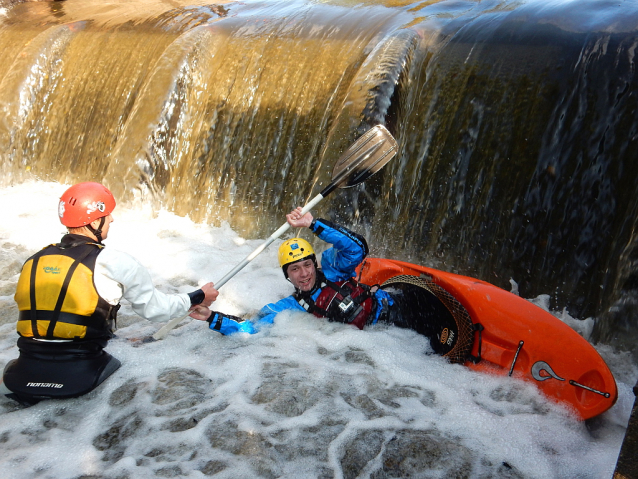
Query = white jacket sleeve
x=119 y=275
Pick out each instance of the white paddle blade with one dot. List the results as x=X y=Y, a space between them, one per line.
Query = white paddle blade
x=371 y=152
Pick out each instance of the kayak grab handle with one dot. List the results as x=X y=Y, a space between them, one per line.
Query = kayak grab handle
x=477 y=359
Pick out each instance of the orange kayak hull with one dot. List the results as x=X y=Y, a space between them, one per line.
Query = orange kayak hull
x=519 y=339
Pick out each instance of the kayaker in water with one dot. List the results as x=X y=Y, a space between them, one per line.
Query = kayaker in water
x=68 y=295
x=331 y=291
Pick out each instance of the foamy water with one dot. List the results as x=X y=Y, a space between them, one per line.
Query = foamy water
x=304 y=398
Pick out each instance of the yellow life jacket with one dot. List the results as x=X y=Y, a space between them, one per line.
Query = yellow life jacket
x=56 y=294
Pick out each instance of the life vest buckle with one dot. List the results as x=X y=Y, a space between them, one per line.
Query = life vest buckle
x=346 y=304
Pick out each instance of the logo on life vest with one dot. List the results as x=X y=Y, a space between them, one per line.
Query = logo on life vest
x=45 y=385
x=52 y=270
x=444 y=336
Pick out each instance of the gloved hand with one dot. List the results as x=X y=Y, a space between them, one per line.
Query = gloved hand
x=228 y=324
x=205 y=296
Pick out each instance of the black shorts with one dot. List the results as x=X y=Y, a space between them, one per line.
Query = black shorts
x=56 y=371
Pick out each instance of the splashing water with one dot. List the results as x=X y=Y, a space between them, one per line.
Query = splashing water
x=304 y=398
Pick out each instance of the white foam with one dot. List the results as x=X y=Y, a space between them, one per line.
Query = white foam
x=257 y=397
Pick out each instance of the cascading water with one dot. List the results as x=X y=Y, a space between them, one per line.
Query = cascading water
x=516 y=127
x=516 y=122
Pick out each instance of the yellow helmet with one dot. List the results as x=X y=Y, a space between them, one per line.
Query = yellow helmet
x=294 y=250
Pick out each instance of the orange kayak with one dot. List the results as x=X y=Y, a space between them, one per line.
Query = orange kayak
x=519 y=339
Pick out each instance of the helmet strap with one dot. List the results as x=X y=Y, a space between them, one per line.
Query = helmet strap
x=97 y=232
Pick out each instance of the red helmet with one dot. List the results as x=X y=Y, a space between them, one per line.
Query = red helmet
x=85 y=202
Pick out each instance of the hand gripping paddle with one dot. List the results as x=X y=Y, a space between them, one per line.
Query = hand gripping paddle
x=363 y=159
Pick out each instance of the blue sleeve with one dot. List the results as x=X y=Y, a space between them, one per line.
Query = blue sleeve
x=267 y=313
x=227 y=324
x=349 y=249
x=383 y=300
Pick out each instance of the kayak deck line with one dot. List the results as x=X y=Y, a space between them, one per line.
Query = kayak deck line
x=574 y=383
x=520 y=345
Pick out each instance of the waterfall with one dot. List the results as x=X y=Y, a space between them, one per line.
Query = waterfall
x=516 y=123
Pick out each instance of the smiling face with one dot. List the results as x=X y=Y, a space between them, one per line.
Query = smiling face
x=303 y=274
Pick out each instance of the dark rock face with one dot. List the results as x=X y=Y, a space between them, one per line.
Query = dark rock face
x=627 y=466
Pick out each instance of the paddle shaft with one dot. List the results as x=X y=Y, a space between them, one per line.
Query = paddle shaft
x=285 y=227
x=164 y=330
x=367 y=155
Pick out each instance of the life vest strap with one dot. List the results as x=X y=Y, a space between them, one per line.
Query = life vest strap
x=61 y=317
x=33 y=316
x=63 y=291
x=344 y=305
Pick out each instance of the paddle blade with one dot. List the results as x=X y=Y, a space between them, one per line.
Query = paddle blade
x=365 y=157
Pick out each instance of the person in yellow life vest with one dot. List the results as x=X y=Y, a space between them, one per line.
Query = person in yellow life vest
x=68 y=295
